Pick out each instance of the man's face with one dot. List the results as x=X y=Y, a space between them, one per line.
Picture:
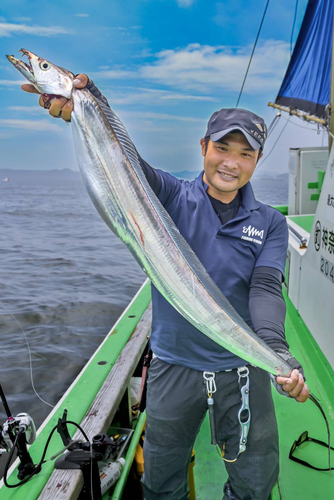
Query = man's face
x=228 y=165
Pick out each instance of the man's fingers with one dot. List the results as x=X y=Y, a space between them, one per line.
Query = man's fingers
x=29 y=88
x=66 y=111
x=41 y=102
x=56 y=106
x=297 y=389
x=80 y=81
x=304 y=395
x=60 y=106
x=295 y=386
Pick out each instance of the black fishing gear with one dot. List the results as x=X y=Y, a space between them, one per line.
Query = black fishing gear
x=100 y=460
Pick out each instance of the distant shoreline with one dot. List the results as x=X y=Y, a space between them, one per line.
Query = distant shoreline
x=67 y=172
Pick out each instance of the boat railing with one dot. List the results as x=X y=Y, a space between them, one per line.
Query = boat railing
x=302 y=239
x=67 y=484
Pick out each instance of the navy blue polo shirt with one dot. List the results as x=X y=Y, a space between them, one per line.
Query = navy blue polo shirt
x=257 y=236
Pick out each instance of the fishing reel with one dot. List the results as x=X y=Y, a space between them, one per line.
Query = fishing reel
x=10 y=429
x=17 y=432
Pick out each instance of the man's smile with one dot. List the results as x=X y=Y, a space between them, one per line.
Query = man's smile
x=227 y=175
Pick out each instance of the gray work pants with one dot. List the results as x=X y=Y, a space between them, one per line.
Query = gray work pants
x=176 y=407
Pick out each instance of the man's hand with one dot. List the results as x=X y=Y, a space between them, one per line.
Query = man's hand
x=61 y=107
x=295 y=386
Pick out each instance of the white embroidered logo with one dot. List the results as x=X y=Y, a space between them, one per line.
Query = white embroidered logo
x=251 y=232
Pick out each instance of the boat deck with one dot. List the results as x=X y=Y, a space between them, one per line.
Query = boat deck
x=296 y=482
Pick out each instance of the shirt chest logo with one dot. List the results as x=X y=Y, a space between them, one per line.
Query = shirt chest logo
x=251 y=233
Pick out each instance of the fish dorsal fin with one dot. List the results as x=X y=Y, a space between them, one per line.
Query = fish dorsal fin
x=189 y=255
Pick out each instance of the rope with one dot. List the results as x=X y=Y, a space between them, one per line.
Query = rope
x=30 y=357
x=273 y=124
x=293 y=27
x=272 y=149
x=301 y=126
x=251 y=57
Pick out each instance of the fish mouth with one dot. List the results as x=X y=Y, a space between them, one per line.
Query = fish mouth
x=27 y=70
x=24 y=68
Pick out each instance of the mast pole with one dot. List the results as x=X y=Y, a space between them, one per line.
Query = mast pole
x=331 y=116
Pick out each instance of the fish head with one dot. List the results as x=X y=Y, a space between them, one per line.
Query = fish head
x=46 y=77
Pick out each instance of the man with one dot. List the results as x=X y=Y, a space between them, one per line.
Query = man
x=242 y=244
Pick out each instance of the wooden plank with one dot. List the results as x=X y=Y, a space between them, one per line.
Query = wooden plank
x=65 y=484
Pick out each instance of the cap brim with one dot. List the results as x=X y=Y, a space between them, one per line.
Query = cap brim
x=252 y=142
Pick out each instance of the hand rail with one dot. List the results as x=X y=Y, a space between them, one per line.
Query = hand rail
x=302 y=239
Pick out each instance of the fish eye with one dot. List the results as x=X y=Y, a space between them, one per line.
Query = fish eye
x=45 y=65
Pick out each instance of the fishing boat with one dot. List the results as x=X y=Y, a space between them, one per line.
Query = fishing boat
x=99 y=399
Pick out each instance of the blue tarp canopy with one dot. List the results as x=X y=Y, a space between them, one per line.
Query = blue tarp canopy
x=306 y=85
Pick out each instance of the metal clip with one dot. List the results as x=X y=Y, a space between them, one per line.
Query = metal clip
x=210 y=383
x=211 y=388
x=244 y=415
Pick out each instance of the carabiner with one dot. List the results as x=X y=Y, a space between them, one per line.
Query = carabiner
x=244 y=414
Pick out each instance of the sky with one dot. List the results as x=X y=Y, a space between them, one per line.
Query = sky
x=164 y=65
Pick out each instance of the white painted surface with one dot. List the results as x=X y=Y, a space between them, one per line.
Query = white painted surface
x=311 y=281
x=304 y=164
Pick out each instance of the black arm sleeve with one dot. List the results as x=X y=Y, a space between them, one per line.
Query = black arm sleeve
x=267 y=306
x=152 y=176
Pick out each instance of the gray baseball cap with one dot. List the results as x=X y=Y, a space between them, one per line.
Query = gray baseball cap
x=225 y=121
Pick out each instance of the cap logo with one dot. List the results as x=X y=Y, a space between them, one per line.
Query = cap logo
x=259 y=126
x=257 y=135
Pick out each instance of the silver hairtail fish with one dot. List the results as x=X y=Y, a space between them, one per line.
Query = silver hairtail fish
x=109 y=164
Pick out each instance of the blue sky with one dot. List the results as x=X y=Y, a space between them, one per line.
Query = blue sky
x=164 y=65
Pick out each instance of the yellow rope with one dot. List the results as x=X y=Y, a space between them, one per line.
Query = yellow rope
x=222 y=454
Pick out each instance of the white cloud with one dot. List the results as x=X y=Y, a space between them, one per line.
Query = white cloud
x=7 y=29
x=25 y=109
x=135 y=95
x=158 y=116
x=206 y=68
x=81 y=15
x=115 y=74
x=9 y=83
x=185 y=3
x=210 y=69
x=39 y=126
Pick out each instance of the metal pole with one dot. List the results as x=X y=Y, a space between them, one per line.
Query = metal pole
x=300 y=114
x=4 y=402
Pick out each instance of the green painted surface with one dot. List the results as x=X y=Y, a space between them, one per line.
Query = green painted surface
x=117 y=495
x=79 y=398
x=296 y=482
x=304 y=221
x=282 y=208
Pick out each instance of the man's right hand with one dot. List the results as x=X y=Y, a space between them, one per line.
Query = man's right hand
x=60 y=107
